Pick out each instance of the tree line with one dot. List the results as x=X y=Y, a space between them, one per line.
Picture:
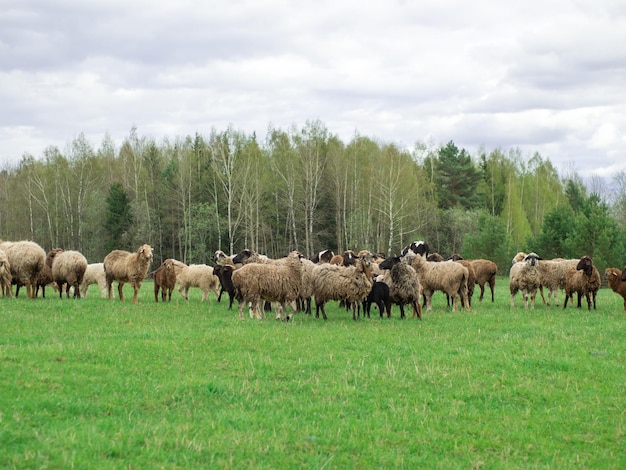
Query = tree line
x=303 y=188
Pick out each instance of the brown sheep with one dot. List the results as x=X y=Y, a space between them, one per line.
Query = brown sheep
x=26 y=259
x=43 y=279
x=614 y=278
x=123 y=267
x=164 y=280
x=585 y=280
x=68 y=268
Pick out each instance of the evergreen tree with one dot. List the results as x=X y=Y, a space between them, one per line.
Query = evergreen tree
x=457 y=178
x=119 y=219
x=557 y=228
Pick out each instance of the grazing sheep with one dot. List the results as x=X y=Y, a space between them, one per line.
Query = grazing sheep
x=446 y=276
x=5 y=275
x=524 y=277
x=404 y=285
x=26 y=259
x=68 y=268
x=418 y=247
x=44 y=278
x=94 y=275
x=224 y=273
x=196 y=275
x=281 y=283
x=379 y=295
x=485 y=273
x=323 y=256
x=164 y=278
x=585 y=280
x=613 y=277
x=351 y=284
x=552 y=276
x=123 y=267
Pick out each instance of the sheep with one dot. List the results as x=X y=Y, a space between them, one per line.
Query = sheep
x=224 y=273
x=613 y=277
x=524 y=277
x=404 y=285
x=26 y=259
x=221 y=258
x=247 y=255
x=351 y=284
x=484 y=273
x=123 y=267
x=519 y=257
x=164 y=278
x=585 y=280
x=255 y=282
x=347 y=259
x=44 y=278
x=552 y=275
x=446 y=276
x=5 y=275
x=196 y=275
x=94 y=275
x=379 y=295
x=435 y=257
x=323 y=256
x=306 y=290
x=68 y=268
x=418 y=247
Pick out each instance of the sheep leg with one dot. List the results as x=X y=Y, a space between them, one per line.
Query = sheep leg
x=402 y=317
x=120 y=290
x=417 y=310
x=482 y=292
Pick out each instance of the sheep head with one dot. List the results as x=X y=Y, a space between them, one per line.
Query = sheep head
x=390 y=262
x=243 y=256
x=51 y=255
x=145 y=252
x=585 y=265
x=419 y=247
x=518 y=257
x=531 y=259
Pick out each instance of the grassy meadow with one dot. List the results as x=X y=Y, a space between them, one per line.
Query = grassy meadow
x=103 y=384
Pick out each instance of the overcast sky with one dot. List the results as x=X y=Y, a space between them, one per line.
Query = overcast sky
x=539 y=75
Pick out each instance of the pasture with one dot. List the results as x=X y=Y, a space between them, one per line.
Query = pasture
x=93 y=383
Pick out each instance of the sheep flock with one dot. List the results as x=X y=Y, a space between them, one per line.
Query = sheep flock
x=356 y=280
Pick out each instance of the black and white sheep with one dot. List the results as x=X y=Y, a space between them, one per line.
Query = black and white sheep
x=404 y=285
x=26 y=259
x=524 y=277
x=123 y=266
x=418 y=247
x=257 y=282
x=449 y=277
x=94 y=275
x=585 y=280
x=350 y=284
x=68 y=269
x=323 y=256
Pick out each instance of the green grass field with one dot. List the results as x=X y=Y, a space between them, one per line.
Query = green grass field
x=102 y=384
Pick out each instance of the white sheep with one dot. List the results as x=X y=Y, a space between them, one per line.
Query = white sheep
x=68 y=268
x=26 y=259
x=351 y=284
x=123 y=266
x=196 y=275
x=257 y=282
x=94 y=275
x=5 y=275
x=524 y=277
x=585 y=280
x=449 y=277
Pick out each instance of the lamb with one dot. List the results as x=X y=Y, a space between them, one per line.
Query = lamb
x=164 y=279
x=404 y=285
x=484 y=273
x=552 y=275
x=44 y=278
x=379 y=295
x=196 y=275
x=255 y=282
x=224 y=273
x=94 y=275
x=351 y=284
x=5 y=275
x=68 y=268
x=26 y=259
x=614 y=278
x=449 y=277
x=524 y=277
x=585 y=280
x=123 y=267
